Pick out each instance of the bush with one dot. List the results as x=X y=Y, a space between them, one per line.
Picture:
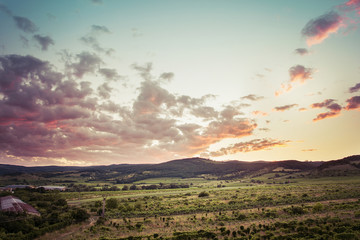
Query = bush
x=79 y=215
x=318 y=207
x=203 y=194
x=345 y=236
x=112 y=203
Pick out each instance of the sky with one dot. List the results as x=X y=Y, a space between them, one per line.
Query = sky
x=99 y=82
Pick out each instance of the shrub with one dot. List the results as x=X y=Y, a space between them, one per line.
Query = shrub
x=345 y=236
x=79 y=215
x=318 y=207
x=203 y=194
x=112 y=203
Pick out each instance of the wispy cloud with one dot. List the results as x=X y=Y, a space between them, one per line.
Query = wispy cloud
x=91 y=39
x=284 y=108
x=252 y=97
x=44 y=41
x=250 y=146
x=352 y=5
x=309 y=150
x=355 y=88
x=260 y=113
x=334 y=109
x=25 y=24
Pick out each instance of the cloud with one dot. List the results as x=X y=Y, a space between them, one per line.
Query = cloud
x=4 y=9
x=297 y=73
x=302 y=51
x=325 y=115
x=353 y=103
x=168 y=76
x=250 y=146
x=252 y=97
x=330 y=104
x=309 y=150
x=325 y=103
x=104 y=90
x=48 y=116
x=352 y=5
x=91 y=39
x=260 y=113
x=204 y=112
x=97 y=29
x=87 y=63
x=354 y=88
x=24 y=41
x=44 y=41
x=284 y=108
x=317 y=30
x=25 y=24
x=109 y=74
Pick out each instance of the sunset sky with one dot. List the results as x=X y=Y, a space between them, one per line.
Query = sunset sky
x=98 y=82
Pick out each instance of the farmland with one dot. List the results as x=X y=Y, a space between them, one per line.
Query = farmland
x=277 y=204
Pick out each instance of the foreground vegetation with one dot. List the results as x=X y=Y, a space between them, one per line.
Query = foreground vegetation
x=254 y=208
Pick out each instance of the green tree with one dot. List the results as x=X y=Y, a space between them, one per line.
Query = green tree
x=112 y=203
x=79 y=215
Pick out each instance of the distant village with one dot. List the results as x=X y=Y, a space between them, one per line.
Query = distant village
x=10 y=188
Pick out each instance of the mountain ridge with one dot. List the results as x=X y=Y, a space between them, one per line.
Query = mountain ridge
x=190 y=166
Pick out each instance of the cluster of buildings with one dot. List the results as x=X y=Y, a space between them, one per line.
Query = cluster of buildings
x=11 y=188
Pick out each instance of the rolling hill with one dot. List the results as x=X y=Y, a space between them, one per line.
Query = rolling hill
x=190 y=167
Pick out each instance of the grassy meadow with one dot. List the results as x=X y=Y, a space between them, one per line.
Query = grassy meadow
x=264 y=207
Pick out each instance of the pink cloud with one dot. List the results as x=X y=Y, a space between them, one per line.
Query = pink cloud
x=297 y=73
x=284 y=108
x=260 y=113
x=353 y=5
x=250 y=146
x=317 y=30
x=353 y=103
x=334 y=109
x=50 y=117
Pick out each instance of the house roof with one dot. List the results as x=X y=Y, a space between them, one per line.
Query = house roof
x=14 y=204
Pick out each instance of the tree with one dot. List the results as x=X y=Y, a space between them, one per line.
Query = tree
x=112 y=203
x=79 y=215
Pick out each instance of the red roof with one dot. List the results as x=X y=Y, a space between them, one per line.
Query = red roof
x=14 y=204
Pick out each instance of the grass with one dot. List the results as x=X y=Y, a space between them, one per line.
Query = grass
x=315 y=204
x=256 y=208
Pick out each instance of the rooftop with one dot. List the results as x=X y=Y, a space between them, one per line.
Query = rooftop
x=14 y=204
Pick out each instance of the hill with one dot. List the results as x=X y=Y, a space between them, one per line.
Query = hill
x=183 y=168
x=186 y=168
x=345 y=166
